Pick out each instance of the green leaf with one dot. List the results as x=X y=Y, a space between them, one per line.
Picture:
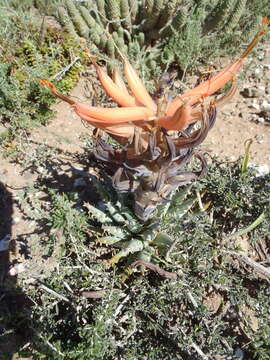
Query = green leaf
x=142 y=256
x=244 y=167
x=163 y=239
x=108 y=240
x=248 y=228
x=182 y=209
x=129 y=247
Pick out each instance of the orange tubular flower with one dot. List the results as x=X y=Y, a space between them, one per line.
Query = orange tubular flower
x=139 y=110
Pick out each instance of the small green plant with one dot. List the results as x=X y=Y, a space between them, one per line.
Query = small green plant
x=24 y=57
x=235 y=198
x=261 y=342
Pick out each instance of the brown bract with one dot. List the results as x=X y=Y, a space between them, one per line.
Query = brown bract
x=152 y=173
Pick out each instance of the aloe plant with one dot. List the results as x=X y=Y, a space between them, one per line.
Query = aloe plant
x=135 y=240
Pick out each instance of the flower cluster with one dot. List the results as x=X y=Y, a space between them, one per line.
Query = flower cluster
x=158 y=136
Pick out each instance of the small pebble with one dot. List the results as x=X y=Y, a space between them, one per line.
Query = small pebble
x=17 y=269
x=40 y=169
x=16 y=220
x=239 y=354
x=75 y=167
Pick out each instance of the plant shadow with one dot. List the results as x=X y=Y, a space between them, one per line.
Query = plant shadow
x=14 y=329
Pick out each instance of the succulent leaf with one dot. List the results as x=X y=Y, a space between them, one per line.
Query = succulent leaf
x=115 y=213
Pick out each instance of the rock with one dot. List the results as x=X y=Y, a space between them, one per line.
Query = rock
x=40 y=169
x=4 y=243
x=239 y=354
x=253 y=92
x=255 y=106
x=265 y=106
x=261 y=120
x=254 y=117
x=77 y=168
x=262 y=88
x=259 y=170
x=51 y=22
x=267 y=66
x=177 y=84
x=266 y=116
x=17 y=269
x=265 y=113
x=226 y=113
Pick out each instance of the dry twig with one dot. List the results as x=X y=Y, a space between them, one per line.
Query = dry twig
x=156 y=269
x=256 y=266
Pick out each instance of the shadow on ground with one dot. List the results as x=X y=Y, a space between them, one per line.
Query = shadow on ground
x=13 y=303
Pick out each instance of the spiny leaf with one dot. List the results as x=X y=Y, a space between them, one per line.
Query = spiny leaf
x=66 y=22
x=153 y=17
x=115 y=213
x=113 y=13
x=167 y=13
x=178 y=198
x=236 y=14
x=98 y=214
x=116 y=231
x=125 y=14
